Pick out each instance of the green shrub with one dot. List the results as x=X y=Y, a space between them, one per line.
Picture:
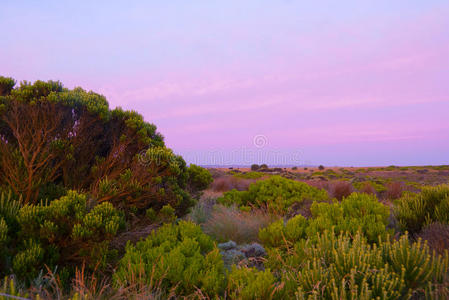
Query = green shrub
x=181 y=256
x=378 y=185
x=65 y=233
x=9 y=227
x=281 y=233
x=198 y=178
x=249 y=283
x=358 y=212
x=275 y=194
x=151 y=214
x=414 y=211
x=334 y=266
x=167 y=214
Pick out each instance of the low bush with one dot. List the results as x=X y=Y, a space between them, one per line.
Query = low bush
x=340 y=189
x=414 y=211
x=367 y=188
x=252 y=284
x=358 y=212
x=182 y=257
x=437 y=237
x=199 y=179
x=334 y=266
x=394 y=190
x=378 y=185
x=275 y=194
x=65 y=233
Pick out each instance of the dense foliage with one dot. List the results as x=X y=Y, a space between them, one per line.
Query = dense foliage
x=332 y=266
x=64 y=233
x=84 y=145
x=198 y=178
x=358 y=212
x=181 y=256
x=276 y=194
x=414 y=211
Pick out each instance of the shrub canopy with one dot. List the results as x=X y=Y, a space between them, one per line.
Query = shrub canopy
x=54 y=139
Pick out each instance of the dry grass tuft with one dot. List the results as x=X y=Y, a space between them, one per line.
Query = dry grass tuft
x=230 y=223
x=394 y=190
x=340 y=189
x=88 y=286
x=437 y=237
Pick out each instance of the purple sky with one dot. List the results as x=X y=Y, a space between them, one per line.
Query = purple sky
x=333 y=83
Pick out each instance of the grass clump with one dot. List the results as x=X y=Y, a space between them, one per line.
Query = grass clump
x=231 y=223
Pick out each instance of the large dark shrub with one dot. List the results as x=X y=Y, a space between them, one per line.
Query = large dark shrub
x=83 y=145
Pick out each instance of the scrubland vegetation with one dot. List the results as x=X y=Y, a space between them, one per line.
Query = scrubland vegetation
x=95 y=206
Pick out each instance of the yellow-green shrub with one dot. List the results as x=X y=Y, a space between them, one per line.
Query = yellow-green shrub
x=181 y=256
x=356 y=212
x=344 y=266
x=414 y=211
x=276 y=194
x=199 y=178
x=9 y=208
x=250 y=283
x=65 y=233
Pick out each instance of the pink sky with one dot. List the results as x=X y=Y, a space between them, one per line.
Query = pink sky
x=330 y=83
